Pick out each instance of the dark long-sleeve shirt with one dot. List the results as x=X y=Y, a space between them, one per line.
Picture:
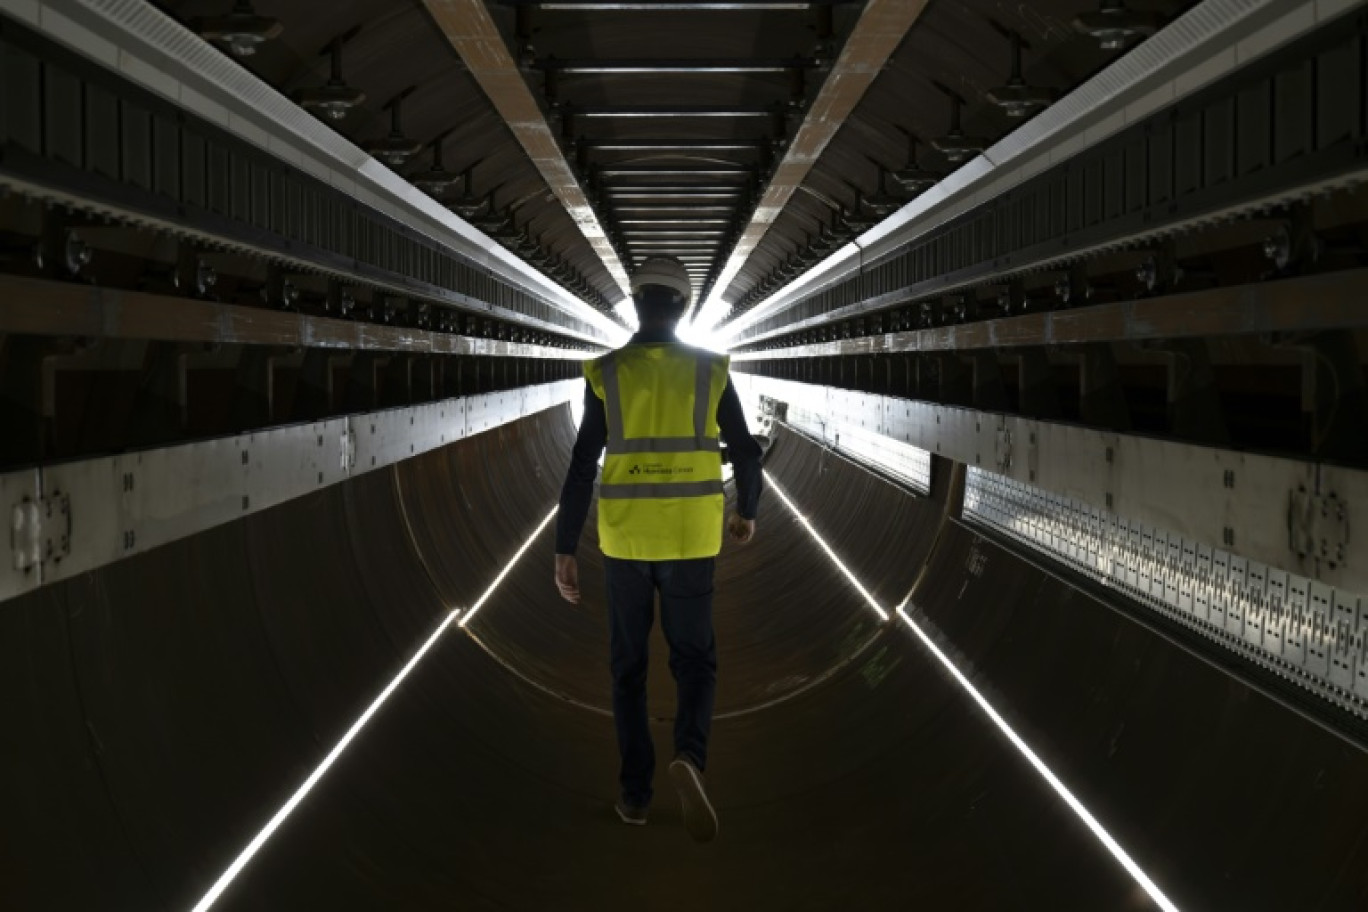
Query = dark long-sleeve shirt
x=578 y=492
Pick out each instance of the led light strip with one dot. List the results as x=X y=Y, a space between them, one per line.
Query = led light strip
x=1162 y=901
x=232 y=871
x=507 y=569
x=878 y=609
x=1112 y=846
x=274 y=823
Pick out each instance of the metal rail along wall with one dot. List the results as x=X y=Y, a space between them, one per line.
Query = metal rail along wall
x=1292 y=123
x=1299 y=629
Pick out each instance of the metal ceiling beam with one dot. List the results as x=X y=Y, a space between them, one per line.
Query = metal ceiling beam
x=637 y=195
x=880 y=29
x=680 y=241
x=654 y=6
x=701 y=66
x=708 y=254
x=647 y=171
x=672 y=189
x=659 y=229
x=470 y=29
x=640 y=250
x=670 y=113
x=669 y=213
x=683 y=221
x=706 y=145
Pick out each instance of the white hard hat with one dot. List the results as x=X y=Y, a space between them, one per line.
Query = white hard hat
x=663 y=270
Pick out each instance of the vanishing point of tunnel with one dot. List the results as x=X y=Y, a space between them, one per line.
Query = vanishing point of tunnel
x=1049 y=318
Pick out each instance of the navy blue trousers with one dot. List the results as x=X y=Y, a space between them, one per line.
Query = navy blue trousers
x=686 y=590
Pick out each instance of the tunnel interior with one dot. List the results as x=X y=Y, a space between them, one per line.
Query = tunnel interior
x=1049 y=317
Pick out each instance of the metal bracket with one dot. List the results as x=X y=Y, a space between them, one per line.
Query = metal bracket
x=1318 y=526
x=24 y=526
x=1003 y=448
x=347 y=450
x=773 y=409
x=40 y=531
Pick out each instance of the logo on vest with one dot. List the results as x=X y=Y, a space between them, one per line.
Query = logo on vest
x=659 y=469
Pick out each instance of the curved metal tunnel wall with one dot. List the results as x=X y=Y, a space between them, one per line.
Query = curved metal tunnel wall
x=160 y=709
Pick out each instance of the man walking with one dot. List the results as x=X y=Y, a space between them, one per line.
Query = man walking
x=659 y=407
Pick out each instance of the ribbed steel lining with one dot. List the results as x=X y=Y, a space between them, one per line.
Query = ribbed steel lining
x=399 y=237
x=1247 y=142
x=1111 y=97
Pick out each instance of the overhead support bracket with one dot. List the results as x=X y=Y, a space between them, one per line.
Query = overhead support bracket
x=470 y=29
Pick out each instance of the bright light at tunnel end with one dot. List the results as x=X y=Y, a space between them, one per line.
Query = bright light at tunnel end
x=1083 y=814
x=230 y=874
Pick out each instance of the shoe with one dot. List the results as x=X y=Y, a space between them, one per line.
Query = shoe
x=627 y=814
x=700 y=820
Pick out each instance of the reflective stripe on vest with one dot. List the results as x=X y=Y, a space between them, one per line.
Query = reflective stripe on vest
x=675 y=489
x=661 y=496
x=618 y=441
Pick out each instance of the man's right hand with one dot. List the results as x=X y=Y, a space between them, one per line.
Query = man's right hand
x=567 y=577
x=742 y=530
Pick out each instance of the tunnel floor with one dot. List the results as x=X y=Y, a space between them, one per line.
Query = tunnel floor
x=878 y=785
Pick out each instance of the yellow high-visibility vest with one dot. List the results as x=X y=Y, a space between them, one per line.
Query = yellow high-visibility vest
x=660 y=497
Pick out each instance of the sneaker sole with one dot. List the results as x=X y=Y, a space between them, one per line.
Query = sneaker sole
x=700 y=820
x=631 y=821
